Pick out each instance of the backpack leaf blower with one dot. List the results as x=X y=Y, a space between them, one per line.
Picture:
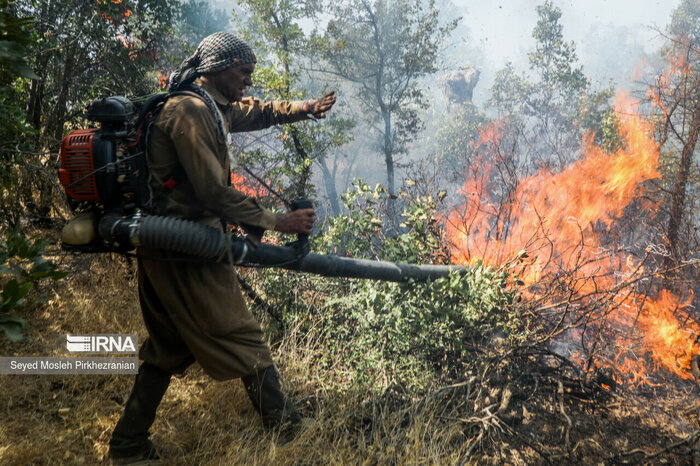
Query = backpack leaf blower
x=104 y=172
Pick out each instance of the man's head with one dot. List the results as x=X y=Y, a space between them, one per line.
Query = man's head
x=218 y=53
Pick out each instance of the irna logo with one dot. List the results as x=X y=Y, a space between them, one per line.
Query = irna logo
x=102 y=343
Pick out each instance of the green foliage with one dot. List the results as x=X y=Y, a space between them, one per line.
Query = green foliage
x=196 y=19
x=383 y=49
x=387 y=333
x=14 y=38
x=22 y=268
x=272 y=27
x=553 y=58
x=360 y=230
x=78 y=51
x=456 y=134
x=685 y=22
x=22 y=265
x=408 y=333
x=608 y=135
x=508 y=90
x=411 y=333
x=118 y=50
x=14 y=131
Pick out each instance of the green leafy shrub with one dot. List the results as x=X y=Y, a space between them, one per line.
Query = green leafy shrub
x=391 y=333
x=409 y=332
x=22 y=267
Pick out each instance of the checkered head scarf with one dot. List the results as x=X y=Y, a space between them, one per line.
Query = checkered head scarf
x=216 y=52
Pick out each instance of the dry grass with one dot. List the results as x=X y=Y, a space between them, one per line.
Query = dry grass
x=506 y=409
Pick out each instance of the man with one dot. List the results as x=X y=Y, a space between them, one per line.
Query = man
x=194 y=311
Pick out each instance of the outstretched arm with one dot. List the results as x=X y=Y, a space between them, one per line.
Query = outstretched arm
x=250 y=114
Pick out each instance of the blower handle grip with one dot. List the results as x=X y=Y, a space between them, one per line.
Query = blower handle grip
x=296 y=204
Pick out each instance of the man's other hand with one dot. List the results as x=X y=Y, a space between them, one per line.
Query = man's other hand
x=319 y=107
x=297 y=221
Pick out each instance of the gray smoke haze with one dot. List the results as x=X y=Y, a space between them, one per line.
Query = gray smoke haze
x=613 y=40
x=611 y=36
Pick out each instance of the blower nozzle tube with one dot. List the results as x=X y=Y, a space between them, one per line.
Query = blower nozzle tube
x=189 y=238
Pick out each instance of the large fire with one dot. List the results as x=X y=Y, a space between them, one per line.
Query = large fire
x=566 y=223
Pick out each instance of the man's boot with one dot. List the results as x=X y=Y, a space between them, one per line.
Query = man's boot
x=277 y=412
x=130 y=443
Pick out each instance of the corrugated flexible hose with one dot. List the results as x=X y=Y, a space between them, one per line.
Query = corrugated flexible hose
x=188 y=238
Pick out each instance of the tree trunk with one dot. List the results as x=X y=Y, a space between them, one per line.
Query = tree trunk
x=55 y=128
x=37 y=86
x=388 y=153
x=329 y=181
x=679 y=189
x=36 y=97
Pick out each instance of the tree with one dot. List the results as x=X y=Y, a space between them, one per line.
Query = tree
x=79 y=51
x=84 y=50
x=15 y=38
x=677 y=94
x=553 y=109
x=383 y=48
x=542 y=117
x=192 y=21
x=274 y=30
x=196 y=19
x=455 y=136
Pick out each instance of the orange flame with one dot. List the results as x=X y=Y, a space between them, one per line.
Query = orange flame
x=557 y=210
x=124 y=12
x=163 y=81
x=672 y=345
x=244 y=185
x=559 y=218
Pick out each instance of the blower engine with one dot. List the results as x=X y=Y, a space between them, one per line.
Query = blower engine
x=106 y=166
x=104 y=169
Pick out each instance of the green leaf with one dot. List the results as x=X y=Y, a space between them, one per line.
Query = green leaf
x=13 y=327
x=24 y=70
x=10 y=270
x=13 y=294
x=41 y=267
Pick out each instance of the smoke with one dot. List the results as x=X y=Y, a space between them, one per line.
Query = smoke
x=611 y=37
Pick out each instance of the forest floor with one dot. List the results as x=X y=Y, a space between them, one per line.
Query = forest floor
x=508 y=409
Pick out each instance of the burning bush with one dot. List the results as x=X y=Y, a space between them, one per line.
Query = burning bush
x=592 y=289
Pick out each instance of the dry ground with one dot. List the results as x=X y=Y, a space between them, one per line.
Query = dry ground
x=507 y=410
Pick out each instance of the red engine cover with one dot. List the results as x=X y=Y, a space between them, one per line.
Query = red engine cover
x=77 y=166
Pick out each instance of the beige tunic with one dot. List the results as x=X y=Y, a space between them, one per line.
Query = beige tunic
x=194 y=310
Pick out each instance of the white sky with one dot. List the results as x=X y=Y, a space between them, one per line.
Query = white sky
x=610 y=35
x=504 y=28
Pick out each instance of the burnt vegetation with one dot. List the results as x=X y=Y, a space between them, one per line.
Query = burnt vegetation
x=574 y=338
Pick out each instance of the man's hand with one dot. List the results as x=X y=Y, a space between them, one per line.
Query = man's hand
x=297 y=221
x=319 y=107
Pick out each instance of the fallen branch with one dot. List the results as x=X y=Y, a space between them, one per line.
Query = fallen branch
x=560 y=393
x=648 y=456
x=258 y=300
x=695 y=369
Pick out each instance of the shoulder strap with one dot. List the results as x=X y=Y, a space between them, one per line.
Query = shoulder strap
x=153 y=106
x=199 y=91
